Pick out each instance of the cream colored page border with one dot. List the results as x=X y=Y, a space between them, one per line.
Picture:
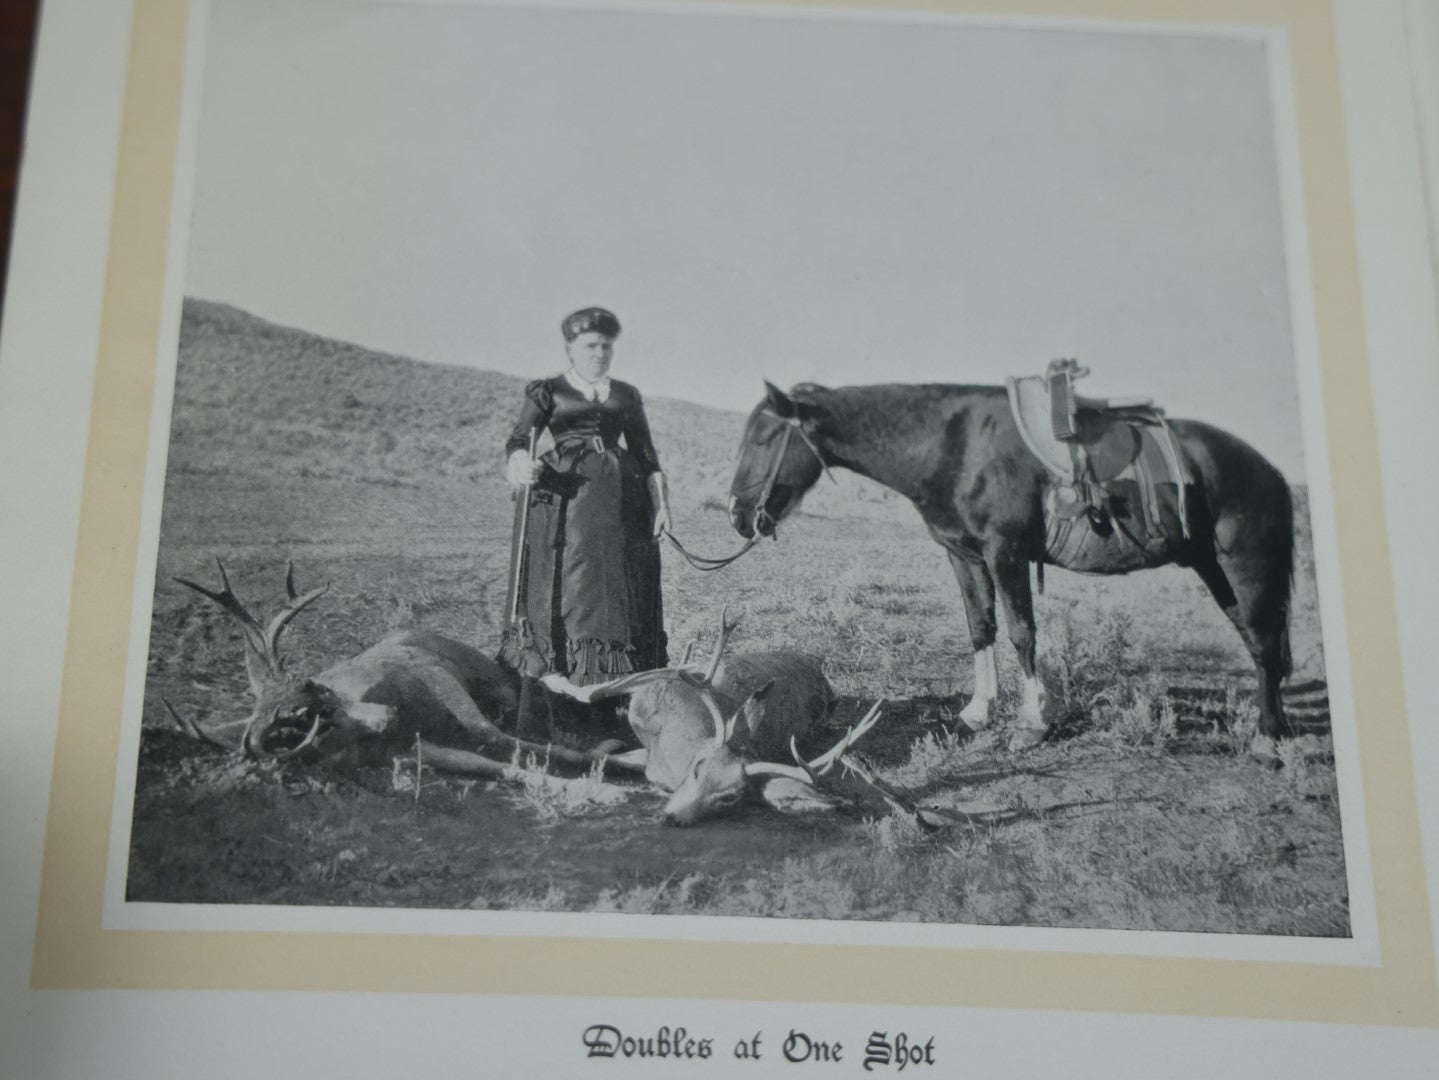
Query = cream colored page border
x=73 y=950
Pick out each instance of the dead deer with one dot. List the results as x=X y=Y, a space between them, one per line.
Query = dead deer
x=712 y=739
x=412 y=688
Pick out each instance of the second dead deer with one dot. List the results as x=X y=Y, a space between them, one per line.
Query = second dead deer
x=715 y=739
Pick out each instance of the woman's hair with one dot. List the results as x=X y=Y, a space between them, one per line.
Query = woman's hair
x=595 y=319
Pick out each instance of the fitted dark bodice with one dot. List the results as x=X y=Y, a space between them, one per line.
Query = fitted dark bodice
x=555 y=404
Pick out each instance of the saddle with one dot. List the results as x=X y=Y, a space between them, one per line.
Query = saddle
x=1091 y=442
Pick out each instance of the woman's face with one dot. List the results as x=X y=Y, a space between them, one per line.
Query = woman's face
x=591 y=354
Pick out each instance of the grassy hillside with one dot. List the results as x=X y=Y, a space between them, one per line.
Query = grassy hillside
x=252 y=397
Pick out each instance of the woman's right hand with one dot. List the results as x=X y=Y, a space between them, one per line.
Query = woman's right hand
x=522 y=470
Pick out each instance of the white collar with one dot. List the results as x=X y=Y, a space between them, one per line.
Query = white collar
x=591 y=391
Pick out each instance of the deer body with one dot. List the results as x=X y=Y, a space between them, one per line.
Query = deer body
x=672 y=722
x=710 y=739
x=412 y=684
x=713 y=741
x=419 y=683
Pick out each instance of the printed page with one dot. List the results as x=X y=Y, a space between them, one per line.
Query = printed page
x=667 y=537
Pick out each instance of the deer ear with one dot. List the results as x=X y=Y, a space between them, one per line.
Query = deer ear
x=743 y=711
x=790 y=796
x=318 y=695
x=729 y=728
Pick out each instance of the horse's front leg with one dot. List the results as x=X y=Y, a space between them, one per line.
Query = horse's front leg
x=977 y=588
x=1011 y=575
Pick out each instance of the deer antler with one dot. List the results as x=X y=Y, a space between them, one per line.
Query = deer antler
x=926 y=820
x=810 y=772
x=727 y=628
x=262 y=643
x=296 y=605
x=840 y=754
x=712 y=707
x=256 y=651
x=193 y=729
x=724 y=729
x=253 y=741
x=588 y=694
x=826 y=761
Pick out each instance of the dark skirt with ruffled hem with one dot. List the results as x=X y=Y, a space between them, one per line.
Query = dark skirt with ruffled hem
x=591 y=590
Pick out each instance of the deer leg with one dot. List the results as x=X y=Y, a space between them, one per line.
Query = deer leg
x=630 y=760
x=452 y=694
x=465 y=762
x=536 y=716
x=446 y=759
x=1012 y=578
x=977 y=588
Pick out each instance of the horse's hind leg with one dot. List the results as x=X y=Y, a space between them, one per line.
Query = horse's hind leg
x=977 y=588
x=1256 y=600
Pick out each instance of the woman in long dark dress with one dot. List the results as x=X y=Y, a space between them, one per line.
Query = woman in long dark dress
x=591 y=588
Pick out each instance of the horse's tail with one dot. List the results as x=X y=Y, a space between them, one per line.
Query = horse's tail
x=1285 y=555
x=1286 y=658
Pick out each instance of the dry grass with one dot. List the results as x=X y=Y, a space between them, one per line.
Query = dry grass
x=550 y=798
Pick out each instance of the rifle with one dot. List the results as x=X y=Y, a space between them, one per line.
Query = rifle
x=517 y=640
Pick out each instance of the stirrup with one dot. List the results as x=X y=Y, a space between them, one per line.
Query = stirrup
x=1099 y=521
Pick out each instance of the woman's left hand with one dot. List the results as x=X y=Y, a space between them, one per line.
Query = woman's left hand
x=660 y=500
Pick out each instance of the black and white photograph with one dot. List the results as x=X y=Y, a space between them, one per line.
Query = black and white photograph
x=724 y=461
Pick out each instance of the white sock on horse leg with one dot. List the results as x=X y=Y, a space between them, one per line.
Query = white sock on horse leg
x=1031 y=709
x=986 y=686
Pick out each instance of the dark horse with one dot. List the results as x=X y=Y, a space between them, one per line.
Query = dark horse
x=956 y=452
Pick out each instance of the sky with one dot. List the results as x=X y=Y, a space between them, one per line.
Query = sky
x=834 y=199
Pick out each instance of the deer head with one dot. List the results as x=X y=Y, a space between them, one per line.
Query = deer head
x=291 y=715
x=721 y=776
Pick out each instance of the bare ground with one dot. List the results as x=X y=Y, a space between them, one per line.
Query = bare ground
x=1144 y=811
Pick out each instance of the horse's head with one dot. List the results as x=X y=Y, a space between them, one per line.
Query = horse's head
x=778 y=460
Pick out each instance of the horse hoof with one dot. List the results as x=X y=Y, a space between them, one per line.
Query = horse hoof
x=1027 y=738
x=1264 y=750
x=979 y=713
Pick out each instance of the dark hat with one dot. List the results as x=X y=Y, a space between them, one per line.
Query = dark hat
x=589 y=319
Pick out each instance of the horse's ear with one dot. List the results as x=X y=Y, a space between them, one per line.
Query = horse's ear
x=779 y=401
x=789 y=408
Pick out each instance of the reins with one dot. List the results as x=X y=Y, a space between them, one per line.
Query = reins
x=704 y=563
x=761 y=515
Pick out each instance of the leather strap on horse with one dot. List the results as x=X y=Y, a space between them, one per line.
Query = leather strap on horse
x=792 y=427
x=701 y=562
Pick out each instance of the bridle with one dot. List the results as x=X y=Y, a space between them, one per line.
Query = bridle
x=792 y=427
x=764 y=524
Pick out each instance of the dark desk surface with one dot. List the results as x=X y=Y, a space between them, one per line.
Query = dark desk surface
x=17 y=37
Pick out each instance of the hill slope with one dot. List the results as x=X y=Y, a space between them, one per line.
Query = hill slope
x=256 y=398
